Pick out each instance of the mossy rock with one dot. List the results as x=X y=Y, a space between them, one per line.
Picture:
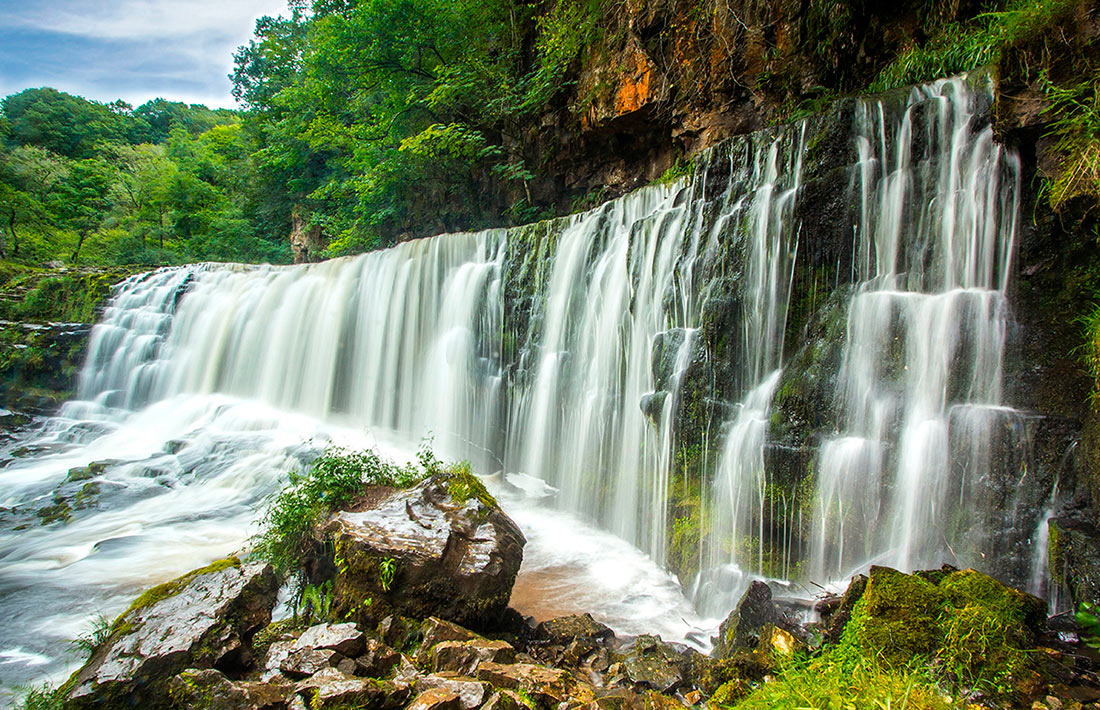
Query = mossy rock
x=898 y=617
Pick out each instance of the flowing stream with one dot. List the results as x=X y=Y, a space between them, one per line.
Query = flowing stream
x=556 y=356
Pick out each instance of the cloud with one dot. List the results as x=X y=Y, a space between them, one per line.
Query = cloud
x=130 y=49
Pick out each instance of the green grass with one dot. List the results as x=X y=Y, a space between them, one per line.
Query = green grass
x=840 y=680
x=1075 y=127
x=962 y=47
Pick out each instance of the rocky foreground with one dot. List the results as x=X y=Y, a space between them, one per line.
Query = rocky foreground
x=393 y=575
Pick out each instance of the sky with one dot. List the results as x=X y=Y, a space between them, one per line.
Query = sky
x=134 y=50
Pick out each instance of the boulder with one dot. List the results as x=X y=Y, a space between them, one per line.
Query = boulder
x=836 y=611
x=442 y=548
x=332 y=688
x=436 y=699
x=546 y=686
x=466 y=656
x=653 y=664
x=211 y=689
x=377 y=660
x=565 y=629
x=345 y=639
x=204 y=619
x=742 y=627
x=435 y=630
x=471 y=693
x=304 y=662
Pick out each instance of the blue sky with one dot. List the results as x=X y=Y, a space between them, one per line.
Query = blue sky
x=134 y=50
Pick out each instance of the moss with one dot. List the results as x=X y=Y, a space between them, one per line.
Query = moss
x=462 y=485
x=898 y=618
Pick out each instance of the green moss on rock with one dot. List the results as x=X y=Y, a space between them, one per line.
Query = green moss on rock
x=898 y=617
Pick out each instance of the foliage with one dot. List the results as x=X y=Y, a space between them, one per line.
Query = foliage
x=1075 y=126
x=961 y=47
x=95 y=637
x=841 y=679
x=333 y=480
x=42 y=698
x=85 y=182
x=1088 y=616
x=386 y=570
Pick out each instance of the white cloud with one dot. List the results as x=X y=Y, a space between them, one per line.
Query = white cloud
x=134 y=49
x=143 y=19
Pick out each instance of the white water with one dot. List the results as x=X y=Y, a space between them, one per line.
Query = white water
x=205 y=385
x=919 y=390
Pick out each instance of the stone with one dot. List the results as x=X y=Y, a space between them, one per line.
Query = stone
x=330 y=687
x=377 y=660
x=779 y=642
x=447 y=549
x=465 y=656
x=435 y=630
x=742 y=627
x=209 y=688
x=204 y=619
x=654 y=664
x=471 y=693
x=304 y=662
x=565 y=629
x=277 y=654
x=547 y=686
x=436 y=699
x=345 y=639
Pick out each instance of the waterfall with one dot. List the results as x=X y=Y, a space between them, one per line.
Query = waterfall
x=632 y=358
x=919 y=390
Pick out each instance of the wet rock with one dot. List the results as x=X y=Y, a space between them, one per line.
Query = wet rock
x=1075 y=558
x=202 y=620
x=777 y=641
x=652 y=663
x=331 y=688
x=547 y=686
x=345 y=639
x=211 y=689
x=565 y=629
x=742 y=627
x=442 y=548
x=435 y=630
x=377 y=660
x=839 y=609
x=471 y=693
x=465 y=656
x=436 y=699
x=304 y=662
x=277 y=654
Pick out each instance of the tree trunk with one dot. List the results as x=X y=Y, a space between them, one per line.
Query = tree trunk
x=14 y=236
x=79 y=243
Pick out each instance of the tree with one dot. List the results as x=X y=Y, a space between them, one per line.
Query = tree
x=85 y=200
x=64 y=124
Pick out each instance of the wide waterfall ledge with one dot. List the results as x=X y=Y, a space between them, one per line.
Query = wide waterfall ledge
x=787 y=365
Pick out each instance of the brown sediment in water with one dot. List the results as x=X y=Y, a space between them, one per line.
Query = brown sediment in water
x=547 y=593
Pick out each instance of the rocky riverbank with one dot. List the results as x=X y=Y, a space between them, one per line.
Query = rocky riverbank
x=391 y=573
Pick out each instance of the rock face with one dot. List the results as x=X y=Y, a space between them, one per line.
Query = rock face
x=442 y=548
x=203 y=620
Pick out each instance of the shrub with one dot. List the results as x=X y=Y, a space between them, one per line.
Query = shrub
x=334 y=480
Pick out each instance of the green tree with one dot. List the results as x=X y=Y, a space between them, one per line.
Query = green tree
x=85 y=201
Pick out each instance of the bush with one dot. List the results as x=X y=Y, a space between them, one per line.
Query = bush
x=334 y=480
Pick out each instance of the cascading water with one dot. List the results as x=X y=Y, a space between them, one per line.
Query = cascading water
x=566 y=355
x=905 y=479
x=919 y=390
